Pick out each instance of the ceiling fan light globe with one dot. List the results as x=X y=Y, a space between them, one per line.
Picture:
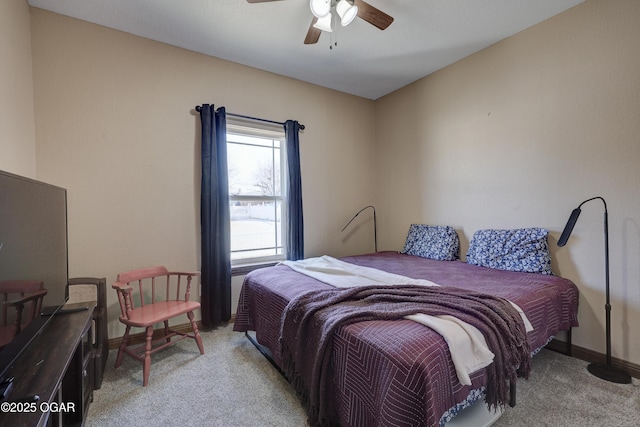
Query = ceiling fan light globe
x=324 y=23
x=320 y=8
x=347 y=12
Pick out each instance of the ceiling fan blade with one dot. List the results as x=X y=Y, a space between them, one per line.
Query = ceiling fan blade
x=373 y=15
x=313 y=34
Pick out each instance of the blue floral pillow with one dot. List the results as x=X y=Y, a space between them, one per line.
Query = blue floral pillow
x=523 y=249
x=432 y=241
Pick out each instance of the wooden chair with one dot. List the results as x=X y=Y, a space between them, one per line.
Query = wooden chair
x=148 y=308
x=15 y=295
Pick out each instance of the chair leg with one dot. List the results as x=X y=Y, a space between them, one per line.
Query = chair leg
x=196 y=333
x=146 y=367
x=123 y=345
x=166 y=330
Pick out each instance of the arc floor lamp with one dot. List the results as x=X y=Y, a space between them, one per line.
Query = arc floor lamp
x=605 y=371
x=375 y=225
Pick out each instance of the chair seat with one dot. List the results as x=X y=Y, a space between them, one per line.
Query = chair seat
x=158 y=312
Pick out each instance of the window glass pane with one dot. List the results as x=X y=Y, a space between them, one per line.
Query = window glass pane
x=255 y=229
x=256 y=203
x=254 y=169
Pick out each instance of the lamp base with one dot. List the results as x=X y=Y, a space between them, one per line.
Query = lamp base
x=609 y=373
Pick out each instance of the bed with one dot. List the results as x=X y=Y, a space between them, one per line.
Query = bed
x=400 y=372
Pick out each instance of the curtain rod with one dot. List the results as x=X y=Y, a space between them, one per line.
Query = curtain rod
x=253 y=118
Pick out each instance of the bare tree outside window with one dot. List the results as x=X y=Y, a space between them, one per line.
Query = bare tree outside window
x=267 y=180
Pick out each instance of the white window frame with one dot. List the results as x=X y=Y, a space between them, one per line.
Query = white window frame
x=275 y=133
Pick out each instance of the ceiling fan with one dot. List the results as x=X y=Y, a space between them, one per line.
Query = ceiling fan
x=346 y=11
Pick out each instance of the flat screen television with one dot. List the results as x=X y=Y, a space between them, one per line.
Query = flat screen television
x=33 y=246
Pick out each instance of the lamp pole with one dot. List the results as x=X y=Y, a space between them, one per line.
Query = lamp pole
x=607 y=304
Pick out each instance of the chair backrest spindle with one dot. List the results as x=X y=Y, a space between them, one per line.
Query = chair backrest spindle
x=141 y=292
x=153 y=290
x=178 y=286
x=187 y=293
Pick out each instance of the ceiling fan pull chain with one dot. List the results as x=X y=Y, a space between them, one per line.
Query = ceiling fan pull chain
x=331 y=34
x=334 y=34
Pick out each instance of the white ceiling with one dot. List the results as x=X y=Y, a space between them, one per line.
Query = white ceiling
x=425 y=36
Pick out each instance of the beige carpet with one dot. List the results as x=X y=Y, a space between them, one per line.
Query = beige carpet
x=233 y=385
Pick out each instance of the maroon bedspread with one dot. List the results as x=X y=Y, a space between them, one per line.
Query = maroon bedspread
x=399 y=372
x=312 y=318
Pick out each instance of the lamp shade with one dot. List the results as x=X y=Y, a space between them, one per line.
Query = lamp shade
x=346 y=11
x=324 y=23
x=569 y=227
x=320 y=8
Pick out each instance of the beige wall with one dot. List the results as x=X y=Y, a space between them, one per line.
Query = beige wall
x=116 y=127
x=517 y=136
x=17 y=135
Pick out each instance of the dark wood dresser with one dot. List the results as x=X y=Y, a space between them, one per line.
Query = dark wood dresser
x=57 y=367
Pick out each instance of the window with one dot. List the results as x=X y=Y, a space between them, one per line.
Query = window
x=256 y=162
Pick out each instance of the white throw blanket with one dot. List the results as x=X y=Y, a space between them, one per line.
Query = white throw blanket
x=340 y=274
x=469 y=350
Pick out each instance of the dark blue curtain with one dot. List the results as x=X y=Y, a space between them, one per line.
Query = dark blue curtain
x=214 y=218
x=295 y=225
